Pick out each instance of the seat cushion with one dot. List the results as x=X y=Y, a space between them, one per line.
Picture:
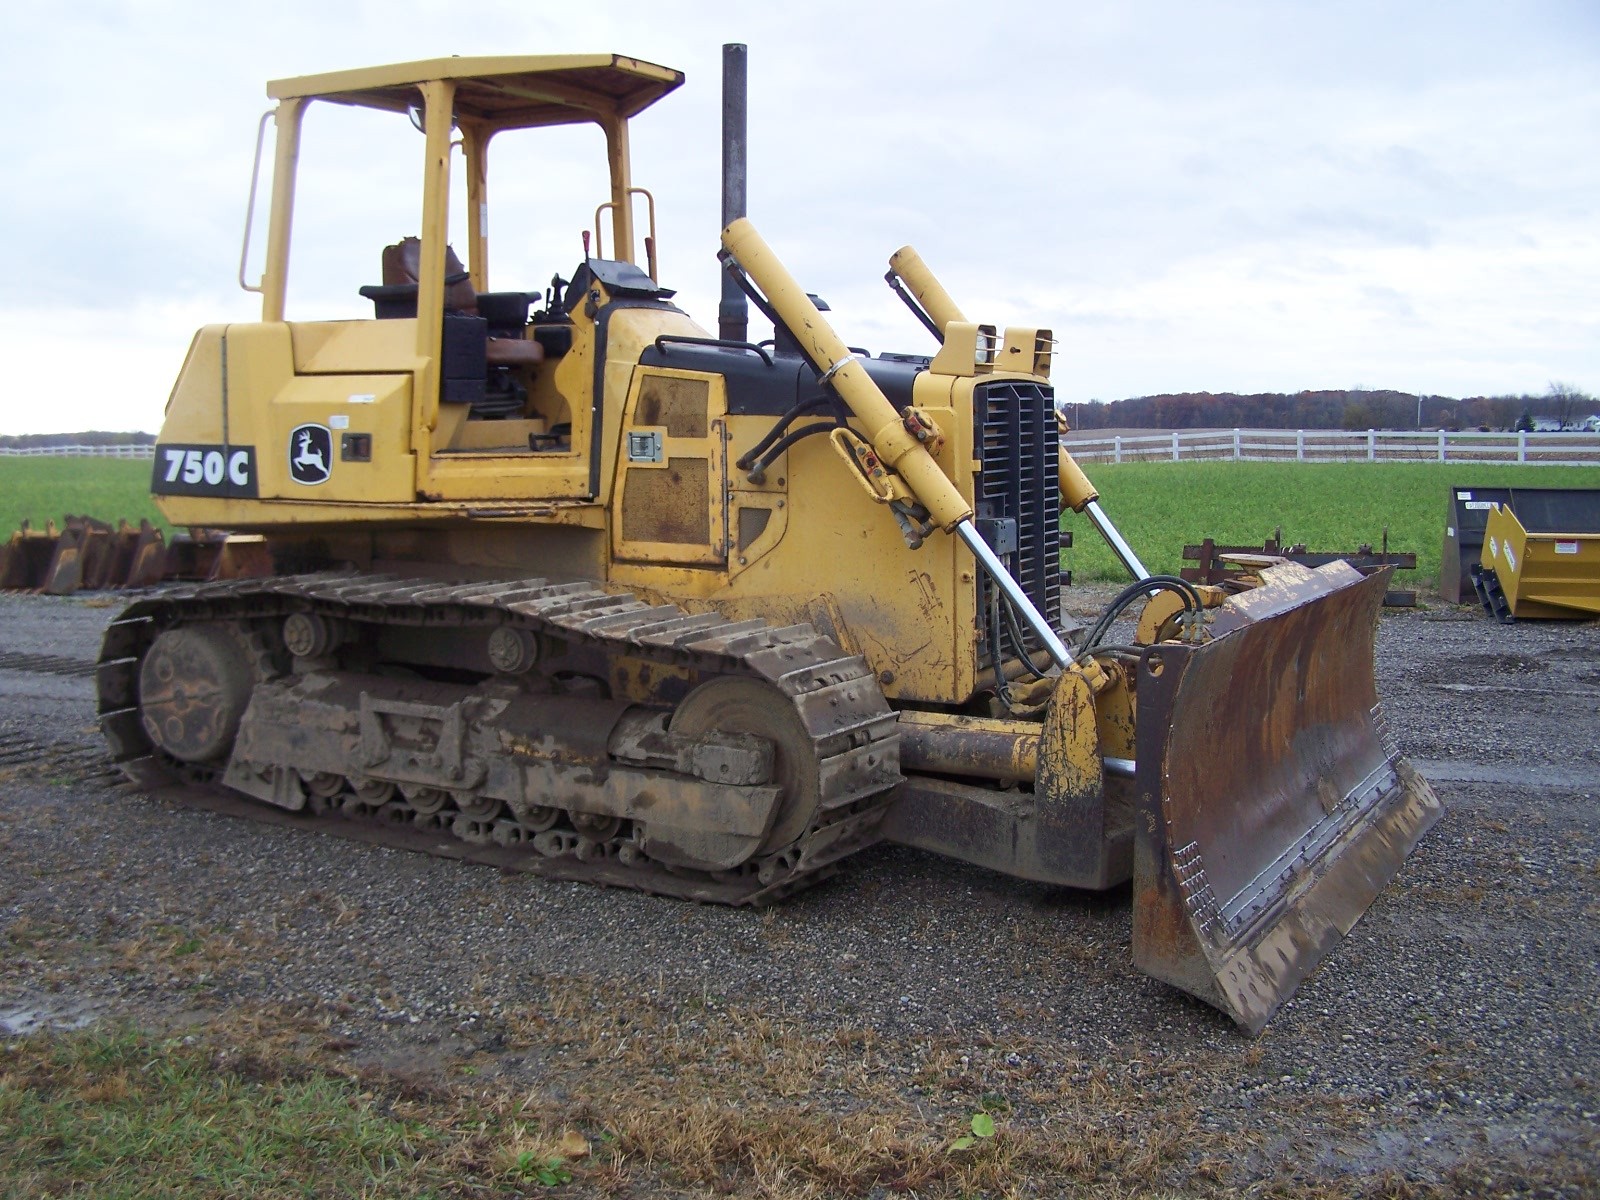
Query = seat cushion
x=514 y=352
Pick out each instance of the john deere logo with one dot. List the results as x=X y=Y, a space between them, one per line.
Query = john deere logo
x=310 y=454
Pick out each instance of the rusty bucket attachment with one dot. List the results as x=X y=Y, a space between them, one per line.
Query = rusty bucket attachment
x=25 y=556
x=81 y=554
x=84 y=554
x=1273 y=807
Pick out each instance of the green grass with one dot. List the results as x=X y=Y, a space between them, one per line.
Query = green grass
x=41 y=489
x=1161 y=507
x=124 y=1115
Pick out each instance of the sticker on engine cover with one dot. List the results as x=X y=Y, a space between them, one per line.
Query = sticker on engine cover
x=1463 y=495
x=1479 y=505
x=203 y=470
x=1566 y=547
x=310 y=454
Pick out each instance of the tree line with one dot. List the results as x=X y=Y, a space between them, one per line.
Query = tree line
x=1353 y=408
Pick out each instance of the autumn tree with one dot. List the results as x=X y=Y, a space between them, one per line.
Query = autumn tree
x=1567 y=403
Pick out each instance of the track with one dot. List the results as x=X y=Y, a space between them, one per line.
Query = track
x=853 y=743
x=44 y=664
x=73 y=762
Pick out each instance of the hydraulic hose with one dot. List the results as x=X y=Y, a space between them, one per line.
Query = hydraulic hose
x=778 y=428
x=1190 y=595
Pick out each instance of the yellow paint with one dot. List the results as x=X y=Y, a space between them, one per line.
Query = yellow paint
x=709 y=449
x=921 y=282
x=1071 y=744
x=469 y=495
x=1542 y=574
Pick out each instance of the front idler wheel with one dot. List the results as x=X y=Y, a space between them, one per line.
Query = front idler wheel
x=194 y=686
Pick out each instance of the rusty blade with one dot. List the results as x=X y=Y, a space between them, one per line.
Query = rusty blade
x=1273 y=808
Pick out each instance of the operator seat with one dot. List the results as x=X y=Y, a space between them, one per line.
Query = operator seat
x=506 y=319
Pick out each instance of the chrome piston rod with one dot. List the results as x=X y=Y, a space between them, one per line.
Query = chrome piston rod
x=1013 y=590
x=1120 y=548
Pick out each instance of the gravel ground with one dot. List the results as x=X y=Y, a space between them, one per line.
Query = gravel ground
x=1458 y=1023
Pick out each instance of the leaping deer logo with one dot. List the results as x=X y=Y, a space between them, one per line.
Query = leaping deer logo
x=309 y=456
x=308 y=462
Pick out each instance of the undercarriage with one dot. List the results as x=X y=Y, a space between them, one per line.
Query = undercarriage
x=582 y=734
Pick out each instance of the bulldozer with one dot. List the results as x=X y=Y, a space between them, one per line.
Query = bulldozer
x=560 y=580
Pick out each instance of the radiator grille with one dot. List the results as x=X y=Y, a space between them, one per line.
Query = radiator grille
x=1018 y=443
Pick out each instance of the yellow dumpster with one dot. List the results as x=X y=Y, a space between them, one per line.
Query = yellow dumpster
x=1530 y=569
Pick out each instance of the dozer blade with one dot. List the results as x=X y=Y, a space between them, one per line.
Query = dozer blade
x=1273 y=807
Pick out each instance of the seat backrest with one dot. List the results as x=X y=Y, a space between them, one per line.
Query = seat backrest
x=402 y=265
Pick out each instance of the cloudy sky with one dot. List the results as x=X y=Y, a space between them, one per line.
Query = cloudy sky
x=1195 y=196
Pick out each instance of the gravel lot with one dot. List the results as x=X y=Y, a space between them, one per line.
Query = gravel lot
x=1457 y=1029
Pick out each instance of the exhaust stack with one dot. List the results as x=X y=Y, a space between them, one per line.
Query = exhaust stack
x=733 y=314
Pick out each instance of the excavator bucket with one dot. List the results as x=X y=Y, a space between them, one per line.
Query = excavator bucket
x=1273 y=806
x=82 y=558
x=26 y=556
x=83 y=554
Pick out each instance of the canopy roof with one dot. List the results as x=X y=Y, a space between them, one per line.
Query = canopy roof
x=506 y=92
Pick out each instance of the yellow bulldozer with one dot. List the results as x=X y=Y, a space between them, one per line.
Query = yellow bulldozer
x=562 y=581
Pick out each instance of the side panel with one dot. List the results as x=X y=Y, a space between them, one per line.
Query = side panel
x=670 y=504
x=210 y=449
x=817 y=549
x=354 y=347
x=339 y=437
x=281 y=435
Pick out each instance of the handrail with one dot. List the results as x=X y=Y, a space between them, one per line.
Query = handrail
x=725 y=343
x=649 y=239
x=250 y=205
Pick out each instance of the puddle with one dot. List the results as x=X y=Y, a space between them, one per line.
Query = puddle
x=1502 y=664
x=20 y=1018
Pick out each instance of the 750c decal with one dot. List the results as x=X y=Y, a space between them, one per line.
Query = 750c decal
x=189 y=470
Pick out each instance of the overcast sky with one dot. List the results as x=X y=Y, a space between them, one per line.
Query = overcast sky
x=1195 y=196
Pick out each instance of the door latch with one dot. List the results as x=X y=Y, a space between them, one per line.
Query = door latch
x=644 y=447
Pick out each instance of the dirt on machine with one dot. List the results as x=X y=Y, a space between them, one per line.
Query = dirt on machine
x=564 y=581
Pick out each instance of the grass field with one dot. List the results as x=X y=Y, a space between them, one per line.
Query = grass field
x=1159 y=507
x=40 y=489
x=117 y=1113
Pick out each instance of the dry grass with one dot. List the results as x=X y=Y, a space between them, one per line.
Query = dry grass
x=606 y=1093
x=636 y=1097
x=730 y=1099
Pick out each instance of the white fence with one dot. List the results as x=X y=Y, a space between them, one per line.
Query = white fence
x=1329 y=445
x=1241 y=445
x=77 y=451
